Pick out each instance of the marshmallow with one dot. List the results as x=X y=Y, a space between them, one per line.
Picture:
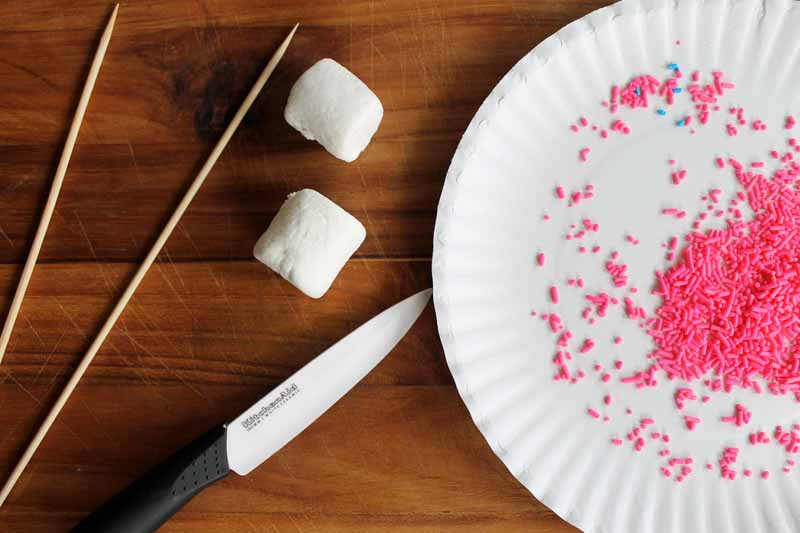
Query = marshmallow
x=309 y=241
x=329 y=104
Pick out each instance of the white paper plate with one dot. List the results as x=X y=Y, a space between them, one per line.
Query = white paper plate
x=489 y=228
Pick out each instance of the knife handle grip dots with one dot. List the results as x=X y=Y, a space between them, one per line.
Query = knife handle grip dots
x=152 y=499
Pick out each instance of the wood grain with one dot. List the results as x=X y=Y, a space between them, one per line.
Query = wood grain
x=210 y=329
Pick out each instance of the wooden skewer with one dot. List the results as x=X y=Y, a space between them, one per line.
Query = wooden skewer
x=148 y=261
x=55 y=188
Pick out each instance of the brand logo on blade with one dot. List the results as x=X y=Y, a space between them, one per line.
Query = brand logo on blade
x=262 y=414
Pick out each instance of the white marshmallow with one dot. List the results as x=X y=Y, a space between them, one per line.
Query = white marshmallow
x=309 y=241
x=329 y=104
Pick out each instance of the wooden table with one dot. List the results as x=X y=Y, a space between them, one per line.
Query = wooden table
x=210 y=329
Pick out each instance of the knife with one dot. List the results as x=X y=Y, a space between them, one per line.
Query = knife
x=261 y=430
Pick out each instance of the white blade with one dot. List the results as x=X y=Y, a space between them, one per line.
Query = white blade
x=292 y=406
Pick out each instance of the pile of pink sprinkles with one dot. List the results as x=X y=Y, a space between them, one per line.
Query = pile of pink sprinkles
x=729 y=315
x=731 y=304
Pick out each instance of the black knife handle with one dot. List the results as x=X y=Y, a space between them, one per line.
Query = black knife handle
x=149 y=501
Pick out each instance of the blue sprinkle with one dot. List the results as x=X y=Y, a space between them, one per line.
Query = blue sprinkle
x=681 y=122
x=638 y=92
x=676 y=90
x=661 y=112
x=673 y=66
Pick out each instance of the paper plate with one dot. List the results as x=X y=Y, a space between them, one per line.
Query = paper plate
x=490 y=228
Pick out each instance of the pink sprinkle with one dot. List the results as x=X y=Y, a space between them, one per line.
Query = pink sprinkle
x=629 y=411
x=681 y=395
x=673 y=243
x=618 y=365
x=593 y=413
x=617 y=271
x=765 y=474
x=546 y=216
x=691 y=422
x=617 y=340
x=741 y=416
x=728 y=458
x=584 y=122
x=720 y=162
x=554 y=294
x=540 y=259
x=678 y=177
x=584 y=154
x=607 y=399
x=588 y=344
x=790 y=122
x=757 y=164
x=573 y=127
x=616 y=442
x=606 y=377
x=604 y=134
x=560 y=192
x=674 y=212
x=732 y=130
x=620 y=126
